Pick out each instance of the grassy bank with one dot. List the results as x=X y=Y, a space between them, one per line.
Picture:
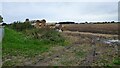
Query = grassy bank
x=20 y=44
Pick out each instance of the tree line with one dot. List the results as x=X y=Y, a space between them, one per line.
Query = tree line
x=20 y=26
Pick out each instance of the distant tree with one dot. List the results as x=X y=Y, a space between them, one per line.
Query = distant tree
x=112 y=22
x=66 y=22
x=99 y=22
x=1 y=19
x=38 y=21
x=105 y=22
x=3 y=24
x=43 y=20
x=27 y=20
x=20 y=26
x=86 y=22
x=118 y=22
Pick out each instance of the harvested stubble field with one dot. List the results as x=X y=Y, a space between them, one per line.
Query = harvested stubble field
x=94 y=28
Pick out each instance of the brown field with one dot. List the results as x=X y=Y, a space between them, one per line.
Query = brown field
x=94 y=28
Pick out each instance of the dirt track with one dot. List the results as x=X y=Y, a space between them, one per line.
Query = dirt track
x=85 y=50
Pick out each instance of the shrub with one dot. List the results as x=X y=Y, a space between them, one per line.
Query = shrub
x=20 y=26
x=47 y=35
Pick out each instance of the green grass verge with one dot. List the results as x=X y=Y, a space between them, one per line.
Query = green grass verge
x=16 y=43
x=117 y=61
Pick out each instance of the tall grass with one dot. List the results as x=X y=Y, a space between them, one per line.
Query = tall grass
x=50 y=36
x=16 y=43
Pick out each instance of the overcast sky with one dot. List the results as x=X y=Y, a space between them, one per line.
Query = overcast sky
x=59 y=0
x=60 y=11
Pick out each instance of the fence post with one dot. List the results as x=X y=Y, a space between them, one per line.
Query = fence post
x=93 y=46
